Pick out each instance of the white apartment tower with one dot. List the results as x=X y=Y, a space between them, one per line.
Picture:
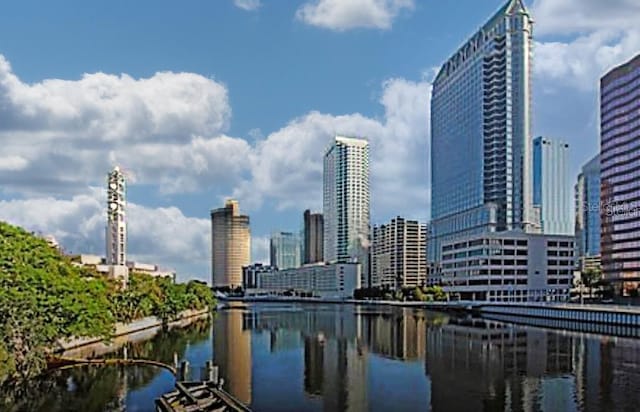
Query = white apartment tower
x=346 y=203
x=116 y=236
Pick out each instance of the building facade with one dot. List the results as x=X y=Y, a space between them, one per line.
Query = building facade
x=230 y=245
x=251 y=273
x=116 y=231
x=588 y=208
x=346 y=203
x=336 y=280
x=398 y=254
x=284 y=250
x=551 y=187
x=620 y=175
x=312 y=238
x=509 y=266
x=481 y=133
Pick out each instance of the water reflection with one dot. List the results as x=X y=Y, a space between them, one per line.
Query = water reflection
x=347 y=358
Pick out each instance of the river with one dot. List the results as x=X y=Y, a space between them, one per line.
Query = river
x=314 y=357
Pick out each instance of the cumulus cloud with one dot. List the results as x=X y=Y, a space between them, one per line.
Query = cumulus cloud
x=167 y=129
x=287 y=165
x=579 y=16
x=248 y=5
x=602 y=34
x=341 y=15
x=163 y=236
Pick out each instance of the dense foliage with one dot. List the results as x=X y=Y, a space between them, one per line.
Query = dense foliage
x=44 y=297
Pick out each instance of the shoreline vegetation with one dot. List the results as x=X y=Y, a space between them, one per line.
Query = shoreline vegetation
x=44 y=298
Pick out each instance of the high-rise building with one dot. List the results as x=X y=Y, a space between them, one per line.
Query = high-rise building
x=551 y=187
x=481 y=133
x=346 y=203
x=588 y=209
x=312 y=238
x=116 y=233
x=620 y=184
x=230 y=245
x=398 y=254
x=285 y=250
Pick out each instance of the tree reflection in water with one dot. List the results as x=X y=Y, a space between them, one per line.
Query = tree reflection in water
x=104 y=388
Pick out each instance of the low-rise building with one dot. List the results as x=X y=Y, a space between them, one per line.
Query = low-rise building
x=509 y=266
x=151 y=269
x=336 y=280
x=251 y=273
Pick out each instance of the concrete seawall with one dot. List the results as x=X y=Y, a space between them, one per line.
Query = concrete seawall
x=138 y=330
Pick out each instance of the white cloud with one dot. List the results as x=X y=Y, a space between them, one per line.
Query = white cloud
x=248 y=5
x=581 y=62
x=260 y=249
x=602 y=34
x=287 y=165
x=343 y=15
x=62 y=135
x=13 y=163
x=579 y=16
x=162 y=236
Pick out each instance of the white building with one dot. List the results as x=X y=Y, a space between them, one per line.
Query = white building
x=151 y=270
x=509 y=266
x=116 y=233
x=338 y=280
x=346 y=203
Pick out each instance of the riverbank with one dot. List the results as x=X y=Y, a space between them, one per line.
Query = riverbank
x=139 y=330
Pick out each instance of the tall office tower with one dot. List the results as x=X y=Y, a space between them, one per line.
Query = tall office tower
x=620 y=185
x=346 y=203
x=285 y=250
x=579 y=207
x=398 y=254
x=481 y=133
x=313 y=237
x=230 y=245
x=551 y=187
x=588 y=211
x=116 y=233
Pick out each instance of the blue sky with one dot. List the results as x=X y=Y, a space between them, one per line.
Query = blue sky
x=201 y=100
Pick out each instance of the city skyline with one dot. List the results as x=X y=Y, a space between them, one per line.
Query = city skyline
x=185 y=165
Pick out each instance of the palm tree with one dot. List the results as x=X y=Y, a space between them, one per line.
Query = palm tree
x=590 y=278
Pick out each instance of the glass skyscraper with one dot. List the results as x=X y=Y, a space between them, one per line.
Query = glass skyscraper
x=346 y=203
x=551 y=187
x=480 y=132
x=620 y=174
x=588 y=208
x=285 y=250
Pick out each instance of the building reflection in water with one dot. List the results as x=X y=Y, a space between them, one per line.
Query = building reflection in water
x=232 y=353
x=359 y=358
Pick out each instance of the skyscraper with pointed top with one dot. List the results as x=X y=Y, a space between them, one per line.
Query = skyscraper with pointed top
x=481 y=132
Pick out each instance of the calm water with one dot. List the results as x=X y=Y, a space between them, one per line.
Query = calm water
x=333 y=358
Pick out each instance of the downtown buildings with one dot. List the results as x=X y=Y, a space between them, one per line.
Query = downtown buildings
x=480 y=133
x=312 y=237
x=482 y=203
x=551 y=187
x=620 y=175
x=284 y=250
x=346 y=203
x=587 y=225
x=230 y=245
x=398 y=254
